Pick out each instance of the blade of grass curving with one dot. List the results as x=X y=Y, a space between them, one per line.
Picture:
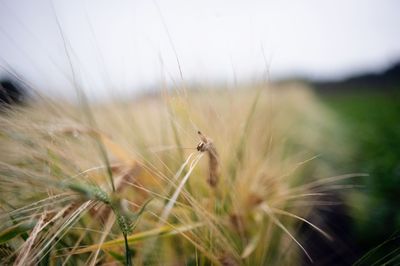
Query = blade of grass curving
x=303 y=220
x=276 y=221
x=178 y=174
x=167 y=209
x=363 y=259
x=387 y=257
x=251 y=246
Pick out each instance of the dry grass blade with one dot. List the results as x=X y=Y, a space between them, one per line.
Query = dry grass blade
x=322 y=232
x=167 y=209
x=163 y=231
x=23 y=255
x=269 y=212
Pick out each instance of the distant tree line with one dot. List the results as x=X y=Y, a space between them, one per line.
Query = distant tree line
x=385 y=81
x=11 y=92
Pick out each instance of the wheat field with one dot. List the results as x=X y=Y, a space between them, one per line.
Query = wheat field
x=182 y=177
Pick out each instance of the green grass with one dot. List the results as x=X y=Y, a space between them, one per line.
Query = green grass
x=373 y=123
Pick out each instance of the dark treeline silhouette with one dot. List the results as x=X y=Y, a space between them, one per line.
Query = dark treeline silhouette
x=385 y=81
x=11 y=92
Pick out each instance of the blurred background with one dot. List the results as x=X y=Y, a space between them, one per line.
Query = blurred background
x=348 y=52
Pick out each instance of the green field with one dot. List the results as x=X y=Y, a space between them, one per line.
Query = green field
x=373 y=128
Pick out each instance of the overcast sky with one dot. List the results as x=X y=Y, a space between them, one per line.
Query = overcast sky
x=126 y=45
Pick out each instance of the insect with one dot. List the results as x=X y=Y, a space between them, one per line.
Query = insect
x=203 y=145
x=206 y=145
